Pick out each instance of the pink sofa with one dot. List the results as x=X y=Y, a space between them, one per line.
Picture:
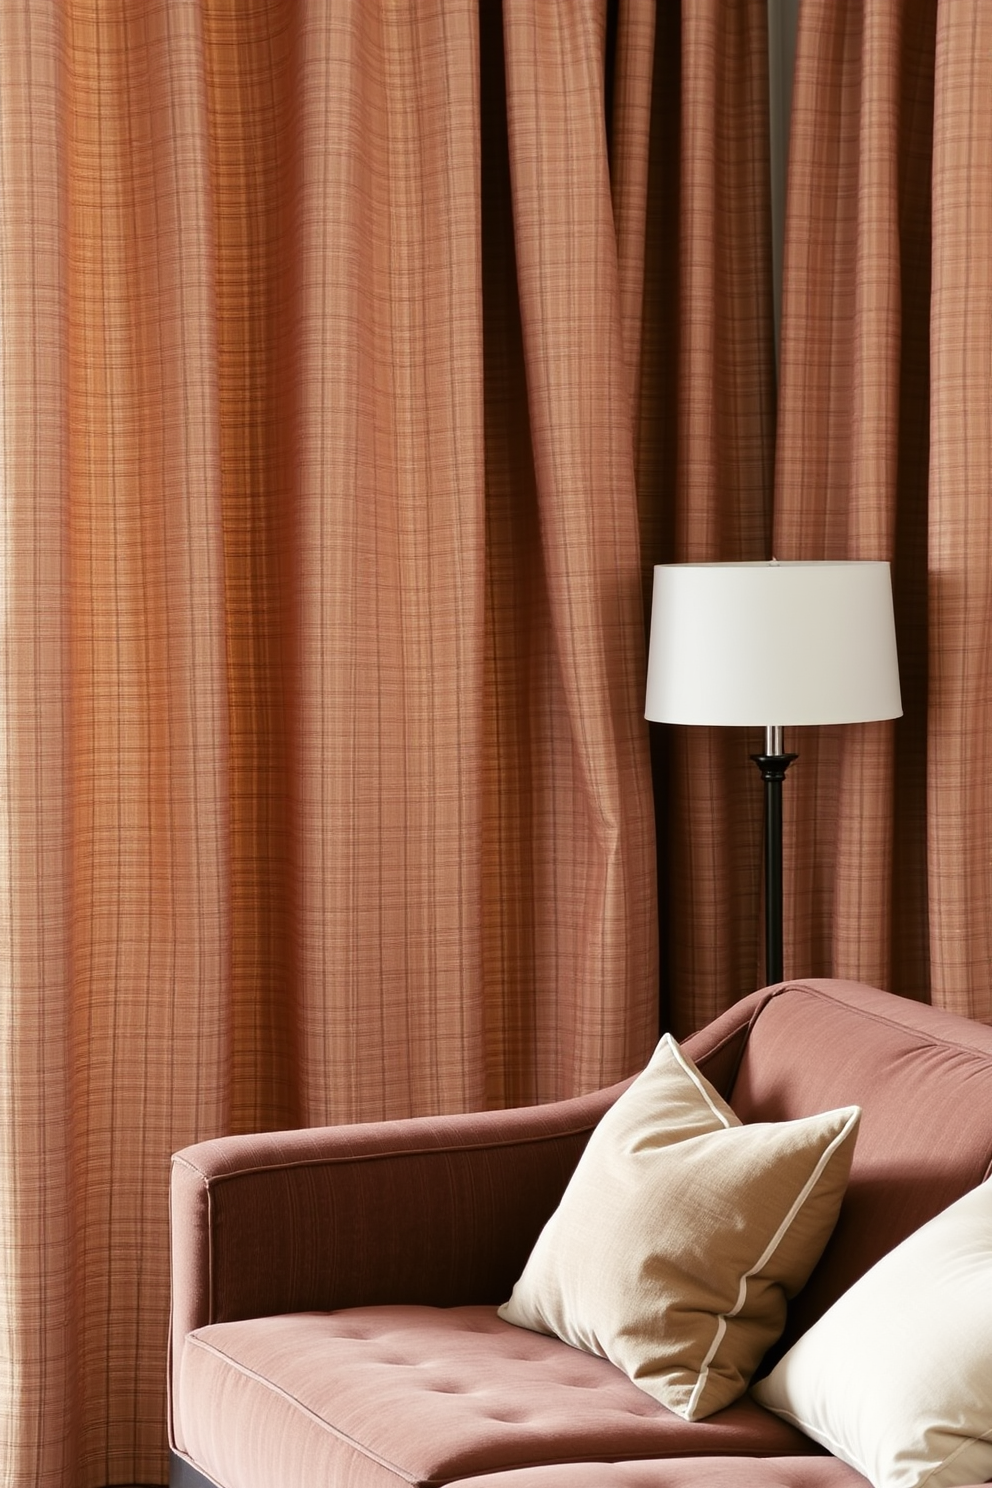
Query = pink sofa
x=335 y=1290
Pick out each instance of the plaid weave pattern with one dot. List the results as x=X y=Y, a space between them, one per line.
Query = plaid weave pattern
x=706 y=451
x=324 y=789
x=880 y=425
x=959 y=739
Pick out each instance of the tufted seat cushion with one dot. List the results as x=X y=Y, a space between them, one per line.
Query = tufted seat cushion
x=422 y=1396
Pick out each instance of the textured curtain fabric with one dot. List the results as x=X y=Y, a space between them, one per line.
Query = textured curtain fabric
x=881 y=443
x=959 y=720
x=324 y=787
x=706 y=443
x=852 y=465
x=884 y=452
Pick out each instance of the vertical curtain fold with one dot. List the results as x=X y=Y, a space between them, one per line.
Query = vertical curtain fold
x=115 y=825
x=147 y=695
x=960 y=534
x=629 y=125
x=838 y=411
x=247 y=80
x=390 y=561
x=848 y=484
x=725 y=443
x=39 y=1416
x=594 y=939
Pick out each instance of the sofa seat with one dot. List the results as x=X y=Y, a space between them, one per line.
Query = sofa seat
x=422 y=1396
x=685 y=1472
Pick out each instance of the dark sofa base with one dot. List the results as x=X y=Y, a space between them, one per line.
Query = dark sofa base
x=681 y=1472
x=182 y=1475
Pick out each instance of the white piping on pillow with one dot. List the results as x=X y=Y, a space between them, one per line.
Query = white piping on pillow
x=769 y=1251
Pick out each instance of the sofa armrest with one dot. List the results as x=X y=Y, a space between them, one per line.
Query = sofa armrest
x=434 y=1210
x=440 y=1211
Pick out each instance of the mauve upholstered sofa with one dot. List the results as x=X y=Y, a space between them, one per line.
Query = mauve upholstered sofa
x=335 y=1290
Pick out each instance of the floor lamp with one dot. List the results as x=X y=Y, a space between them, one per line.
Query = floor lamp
x=797 y=643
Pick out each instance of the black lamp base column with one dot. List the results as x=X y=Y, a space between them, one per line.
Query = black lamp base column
x=773 y=768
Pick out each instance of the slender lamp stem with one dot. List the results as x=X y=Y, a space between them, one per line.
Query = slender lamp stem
x=773 y=765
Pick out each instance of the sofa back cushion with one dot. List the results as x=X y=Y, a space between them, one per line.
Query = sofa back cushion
x=923 y=1079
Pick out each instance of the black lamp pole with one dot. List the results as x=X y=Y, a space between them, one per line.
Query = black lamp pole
x=773 y=765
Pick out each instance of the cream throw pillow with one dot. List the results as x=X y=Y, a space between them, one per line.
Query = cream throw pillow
x=896 y=1378
x=682 y=1233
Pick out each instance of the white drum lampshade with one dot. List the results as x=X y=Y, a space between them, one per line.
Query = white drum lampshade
x=772 y=644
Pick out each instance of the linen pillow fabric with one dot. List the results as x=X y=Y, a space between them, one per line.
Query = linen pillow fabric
x=682 y=1233
x=896 y=1377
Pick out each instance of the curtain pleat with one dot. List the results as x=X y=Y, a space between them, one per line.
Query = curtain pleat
x=247 y=79
x=837 y=428
x=629 y=116
x=723 y=390
x=39 y=1416
x=389 y=567
x=114 y=810
x=960 y=534
x=592 y=844
x=324 y=788
x=851 y=471
x=148 y=837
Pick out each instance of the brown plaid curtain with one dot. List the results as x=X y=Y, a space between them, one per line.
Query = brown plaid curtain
x=324 y=788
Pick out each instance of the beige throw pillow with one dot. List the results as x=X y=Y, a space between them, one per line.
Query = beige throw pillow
x=682 y=1233
x=896 y=1378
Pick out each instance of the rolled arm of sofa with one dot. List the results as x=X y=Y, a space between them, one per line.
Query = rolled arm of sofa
x=434 y=1210
x=439 y=1211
